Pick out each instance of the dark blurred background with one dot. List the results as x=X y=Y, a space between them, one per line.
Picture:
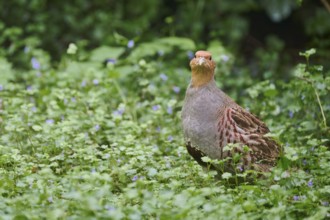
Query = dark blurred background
x=243 y=26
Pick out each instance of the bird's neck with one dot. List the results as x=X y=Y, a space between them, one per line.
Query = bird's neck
x=199 y=79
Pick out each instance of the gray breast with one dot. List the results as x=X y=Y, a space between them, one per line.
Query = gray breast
x=200 y=119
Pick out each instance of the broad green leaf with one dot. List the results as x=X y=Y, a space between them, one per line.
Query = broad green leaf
x=101 y=54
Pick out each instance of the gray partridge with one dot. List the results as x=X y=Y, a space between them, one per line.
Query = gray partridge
x=211 y=120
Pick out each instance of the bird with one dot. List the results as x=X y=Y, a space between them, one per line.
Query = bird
x=211 y=120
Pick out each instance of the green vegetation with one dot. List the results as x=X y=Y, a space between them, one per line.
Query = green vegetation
x=90 y=129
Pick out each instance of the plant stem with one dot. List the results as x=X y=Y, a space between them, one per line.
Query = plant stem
x=326 y=5
x=318 y=99
x=120 y=91
x=321 y=108
x=124 y=100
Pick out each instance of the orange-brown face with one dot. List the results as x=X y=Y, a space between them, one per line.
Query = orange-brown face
x=202 y=62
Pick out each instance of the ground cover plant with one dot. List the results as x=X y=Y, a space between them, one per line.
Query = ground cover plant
x=99 y=136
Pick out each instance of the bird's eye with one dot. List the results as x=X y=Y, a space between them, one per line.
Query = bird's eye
x=195 y=56
x=210 y=58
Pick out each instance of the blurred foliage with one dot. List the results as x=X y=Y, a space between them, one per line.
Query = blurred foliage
x=52 y=25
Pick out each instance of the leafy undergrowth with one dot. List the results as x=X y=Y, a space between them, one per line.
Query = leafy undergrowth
x=97 y=140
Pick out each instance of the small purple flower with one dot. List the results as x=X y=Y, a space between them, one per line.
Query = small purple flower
x=111 y=60
x=50 y=121
x=155 y=107
x=158 y=129
x=29 y=88
x=83 y=83
x=224 y=58
x=26 y=49
x=296 y=198
x=109 y=208
x=50 y=199
x=119 y=112
x=93 y=170
x=291 y=114
x=169 y=110
x=240 y=168
x=325 y=203
x=73 y=99
x=170 y=138
x=135 y=178
x=163 y=77
x=106 y=156
x=119 y=161
x=190 y=54
x=310 y=183
x=97 y=127
x=304 y=162
x=96 y=82
x=1 y=87
x=35 y=63
x=130 y=44
x=176 y=89
x=33 y=109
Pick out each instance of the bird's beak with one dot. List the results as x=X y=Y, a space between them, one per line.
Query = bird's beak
x=201 y=61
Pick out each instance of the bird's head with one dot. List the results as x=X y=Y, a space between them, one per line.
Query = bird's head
x=202 y=62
